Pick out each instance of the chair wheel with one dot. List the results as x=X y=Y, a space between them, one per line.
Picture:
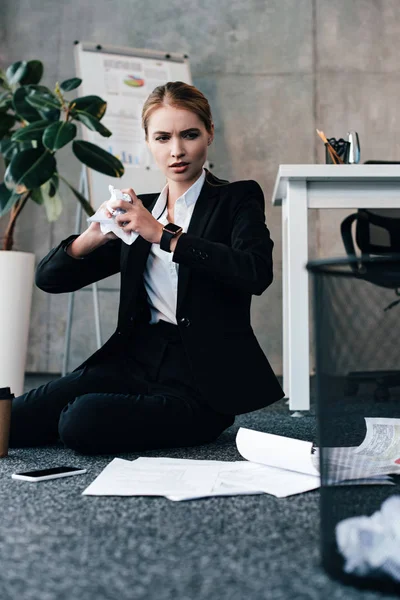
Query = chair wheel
x=350 y=388
x=381 y=394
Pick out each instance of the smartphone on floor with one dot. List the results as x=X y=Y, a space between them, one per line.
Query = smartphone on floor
x=52 y=473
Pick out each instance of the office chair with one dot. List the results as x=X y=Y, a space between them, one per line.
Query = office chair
x=377 y=233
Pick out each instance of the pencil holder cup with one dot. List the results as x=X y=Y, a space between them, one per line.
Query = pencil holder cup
x=341 y=148
x=357 y=379
x=6 y=398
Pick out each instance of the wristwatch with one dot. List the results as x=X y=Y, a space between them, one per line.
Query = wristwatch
x=169 y=231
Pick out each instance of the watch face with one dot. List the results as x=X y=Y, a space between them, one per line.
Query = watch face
x=172 y=228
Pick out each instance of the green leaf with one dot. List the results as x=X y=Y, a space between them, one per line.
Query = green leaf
x=16 y=72
x=9 y=149
x=29 y=169
x=5 y=101
x=51 y=190
x=98 y=159
x=34 y=72
x=6 y=122
x=5 y=194
x=59 y=134
x=5 y=145
x=91 y=122
x=34 y=131
x=85 y=204
x=36 y=196
x=53 y=206
x=42 y=89
x=11 y=184
x=94 y=105
x=7 y=199
x=53 y=185
x=43 y=101
x=52 y=203
x=21 y=106
x=70 y=84
x=52 y=113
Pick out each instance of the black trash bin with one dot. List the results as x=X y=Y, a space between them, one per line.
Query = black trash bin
x=357 y=360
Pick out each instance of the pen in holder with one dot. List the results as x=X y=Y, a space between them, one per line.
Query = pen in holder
x=337 y=151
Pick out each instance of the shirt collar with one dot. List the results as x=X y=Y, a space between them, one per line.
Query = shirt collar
x=190 y=196
x=160 y=204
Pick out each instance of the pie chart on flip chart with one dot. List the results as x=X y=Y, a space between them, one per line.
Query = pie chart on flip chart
x=133 y=81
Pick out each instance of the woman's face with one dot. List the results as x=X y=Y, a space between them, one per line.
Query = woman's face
x=178 y=141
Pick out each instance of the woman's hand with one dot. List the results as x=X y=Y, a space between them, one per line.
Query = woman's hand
x=94 y=232
x=137 y=218
x=91 y=238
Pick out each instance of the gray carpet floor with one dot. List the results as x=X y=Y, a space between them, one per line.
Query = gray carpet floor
x=56 y=544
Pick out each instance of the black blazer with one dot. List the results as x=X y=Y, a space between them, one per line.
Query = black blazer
x=224 y=258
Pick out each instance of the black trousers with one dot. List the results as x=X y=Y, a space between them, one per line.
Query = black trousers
x=142 y=397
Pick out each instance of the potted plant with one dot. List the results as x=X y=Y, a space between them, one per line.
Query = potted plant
x=35 y=123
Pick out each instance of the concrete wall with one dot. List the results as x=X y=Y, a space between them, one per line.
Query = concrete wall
x=273 y=70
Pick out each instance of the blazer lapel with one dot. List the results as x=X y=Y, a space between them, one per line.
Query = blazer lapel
x=202 y=212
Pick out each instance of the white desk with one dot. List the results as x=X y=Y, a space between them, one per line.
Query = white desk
x=298 y=188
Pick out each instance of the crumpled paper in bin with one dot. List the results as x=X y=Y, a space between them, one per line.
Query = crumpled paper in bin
x=371 y=545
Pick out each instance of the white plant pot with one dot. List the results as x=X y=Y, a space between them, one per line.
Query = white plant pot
x=16 y=287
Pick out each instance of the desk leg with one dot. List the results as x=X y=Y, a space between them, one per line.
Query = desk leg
x=295 y=292
x=285 y=303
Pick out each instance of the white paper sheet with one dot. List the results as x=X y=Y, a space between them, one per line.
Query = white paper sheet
x=382 y=441
x=184 y=479
x=178 y=479
x=274 y=465
x=275 y=451
x=377 y=455
x=219 y=486
x=271 y=480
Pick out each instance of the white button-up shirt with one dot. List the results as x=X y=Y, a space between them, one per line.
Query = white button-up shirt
x=161 y=273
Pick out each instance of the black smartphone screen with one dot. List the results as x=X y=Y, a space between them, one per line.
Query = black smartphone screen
x=52 y=471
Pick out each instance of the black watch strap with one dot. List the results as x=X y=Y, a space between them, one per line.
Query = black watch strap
x=169 y=232
x=165 y=241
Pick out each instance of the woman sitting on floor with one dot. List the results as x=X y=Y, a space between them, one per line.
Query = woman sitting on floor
x=184 y=359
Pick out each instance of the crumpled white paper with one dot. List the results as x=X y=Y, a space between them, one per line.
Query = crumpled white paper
x=371 y=545
x=108 y=224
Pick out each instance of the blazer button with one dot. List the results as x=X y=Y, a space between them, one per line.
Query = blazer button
x=184 y=321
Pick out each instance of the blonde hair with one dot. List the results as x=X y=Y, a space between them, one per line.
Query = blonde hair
x=179 y=95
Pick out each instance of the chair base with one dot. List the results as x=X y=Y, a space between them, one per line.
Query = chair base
x=384 y=380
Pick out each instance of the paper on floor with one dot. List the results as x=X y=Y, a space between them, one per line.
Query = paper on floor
x=276 y=451
x=272 y=480
x=382 y=440
x=184 y=479
x=175 y=478
x=242 y=477
x=274 y=465
x=379 y=453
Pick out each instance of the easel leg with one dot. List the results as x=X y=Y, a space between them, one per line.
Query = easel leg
x=96 y=314
x=84 y=189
